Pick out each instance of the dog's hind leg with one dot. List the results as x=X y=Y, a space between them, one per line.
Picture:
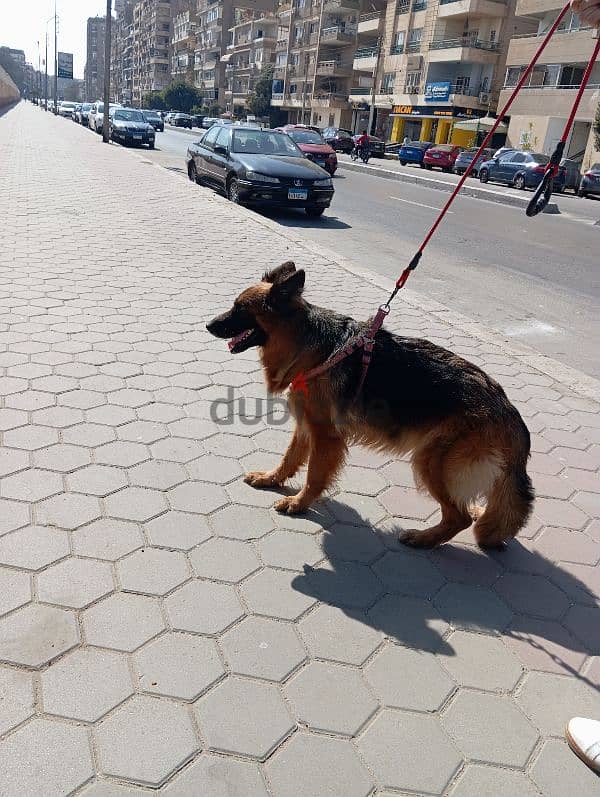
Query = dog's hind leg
x=327 y=455
x=293 y=459
x=428 y=465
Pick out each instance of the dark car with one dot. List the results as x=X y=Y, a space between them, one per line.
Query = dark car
x=572 y=173
x=467 y=157
x=520 y=169
x=197 y=119
x=376 y=146
x=590 y=182
x=441 y=156
x=259 y=167
x=129 y=126
x=153 y=118
x=181 y=120
x=413 y=152
x=339 y=139
x=313 y=146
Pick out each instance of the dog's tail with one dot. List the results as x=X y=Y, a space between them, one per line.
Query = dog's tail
x=511 y=498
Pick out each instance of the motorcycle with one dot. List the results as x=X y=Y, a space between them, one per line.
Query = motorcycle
x=360 y=152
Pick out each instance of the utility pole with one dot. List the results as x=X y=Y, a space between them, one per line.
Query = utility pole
x=55 y=60
x=107 y=37
x=306 y=57
x=370 y=130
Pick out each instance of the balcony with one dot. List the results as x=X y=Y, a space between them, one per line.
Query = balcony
x=570 y=47
x=413 y=47
x=341 y=6
x=309 y=11
x=537 y=8
x=333 y=69
x=331 y=100
x=551 y=101
x=336 y=34
x=365 y=59
x=472 y=8
x=402 y=8
x=281 y=45
x=369 y=23
x=463 y=49
x=419 y=5
x=396 y=49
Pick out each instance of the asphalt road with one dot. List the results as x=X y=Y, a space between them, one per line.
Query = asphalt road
x=533 y=280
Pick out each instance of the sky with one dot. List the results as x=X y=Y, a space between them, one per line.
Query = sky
x=23 y=23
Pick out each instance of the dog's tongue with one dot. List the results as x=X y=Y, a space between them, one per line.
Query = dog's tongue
x=234 y=341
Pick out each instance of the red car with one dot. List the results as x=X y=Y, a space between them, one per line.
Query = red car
x=313 y=146
x=441 y=156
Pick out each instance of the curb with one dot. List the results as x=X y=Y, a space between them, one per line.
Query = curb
x=441 y=185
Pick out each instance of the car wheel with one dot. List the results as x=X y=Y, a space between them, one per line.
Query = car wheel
x=519 y=182
x=422 y=165
x=151 y=145
x=428 y=167
x=314 y=211
x=233 y=191
x=582 y=194
x=193 y=173
x=484 y=176
x=402 y=163
x=562 y=188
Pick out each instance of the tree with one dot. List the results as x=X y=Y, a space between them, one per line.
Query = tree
x=155 y=100
x=259 y=102
x=597 y=129
x=181 y=96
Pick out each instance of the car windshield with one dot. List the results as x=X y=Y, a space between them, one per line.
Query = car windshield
x=306 y=137
x=444 y=148
x=68 y=104
x=418 y=144
x=86 y=106
x=263 y=142
x=129 y=116
x=151 y=115
x=543 y=159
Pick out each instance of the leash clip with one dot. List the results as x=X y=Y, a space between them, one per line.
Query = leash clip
x=543 y=192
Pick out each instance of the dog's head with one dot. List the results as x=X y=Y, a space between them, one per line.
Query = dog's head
x=258 y=309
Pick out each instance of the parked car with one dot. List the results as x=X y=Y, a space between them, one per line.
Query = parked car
x=129 y=126
x=197 y=119
x=82 y=114
x=467 y=157
x=339 y=139
x=572 y=174
x=259 y=167
x=520 y=169
x=590 y=182
x=313 y=146
x=153 y=118
x=66 y=109
x=76 y=110
x=413 y=152
x=502 y=151
x=96 y=115
x=209 y=121
x=441 y=156
x=376 y=146
x=182 y=120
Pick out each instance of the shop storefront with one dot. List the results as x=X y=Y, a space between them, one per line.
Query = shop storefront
x=431 y=123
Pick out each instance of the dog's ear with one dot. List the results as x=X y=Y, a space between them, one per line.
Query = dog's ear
x=284 y=291
x=280 y=273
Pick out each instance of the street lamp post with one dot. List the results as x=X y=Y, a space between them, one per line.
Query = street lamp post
x=55 y=60
x=107 y=37
x=370 y=131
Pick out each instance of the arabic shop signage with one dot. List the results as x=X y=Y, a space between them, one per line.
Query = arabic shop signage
x=437 y=92
x=447 y=111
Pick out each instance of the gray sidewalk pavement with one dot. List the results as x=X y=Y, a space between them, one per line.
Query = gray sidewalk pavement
x=161 y=627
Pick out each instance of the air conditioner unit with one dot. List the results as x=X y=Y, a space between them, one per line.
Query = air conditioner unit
x=484 y=97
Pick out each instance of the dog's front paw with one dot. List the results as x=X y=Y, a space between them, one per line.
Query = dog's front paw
x=290 y=505
x=416 y=539
x=261 y=478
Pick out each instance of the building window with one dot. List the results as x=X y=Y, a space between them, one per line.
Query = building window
x=387 y=83
x=413 y=79
x=399 y=38
x=513 y=74
x=293 y=88
x=415 y=36
x=461 y=84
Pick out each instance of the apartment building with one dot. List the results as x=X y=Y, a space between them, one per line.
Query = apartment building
x=122 y=53
x=539 y=113
x=151 y=36
x=251 y=47
x=183 y=44
x=94 y=65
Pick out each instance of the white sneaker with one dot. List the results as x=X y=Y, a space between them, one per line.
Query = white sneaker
x=583 y=737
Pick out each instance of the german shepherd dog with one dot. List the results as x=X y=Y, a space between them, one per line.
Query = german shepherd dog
x=467 y=441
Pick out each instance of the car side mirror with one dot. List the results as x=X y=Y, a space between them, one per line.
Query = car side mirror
x=220 y=149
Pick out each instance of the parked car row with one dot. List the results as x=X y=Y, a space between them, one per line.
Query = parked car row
x=128 y=126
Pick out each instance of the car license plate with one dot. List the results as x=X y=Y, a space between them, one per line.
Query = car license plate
x=297 y=193
x=435 y=155
x=138 y=135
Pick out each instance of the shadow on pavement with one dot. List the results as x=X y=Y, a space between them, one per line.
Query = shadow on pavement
x=411 y=596
x=297 y=218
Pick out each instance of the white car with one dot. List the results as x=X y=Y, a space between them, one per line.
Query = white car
x=96 y=115
x=66 y=109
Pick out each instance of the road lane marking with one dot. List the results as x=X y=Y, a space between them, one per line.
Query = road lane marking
x=420 y=204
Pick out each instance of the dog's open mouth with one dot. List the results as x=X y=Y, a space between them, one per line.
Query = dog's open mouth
x=243 y=341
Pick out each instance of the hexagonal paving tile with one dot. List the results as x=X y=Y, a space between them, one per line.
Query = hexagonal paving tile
x=62 y=458
x=263 y=648
x=68 y=510
x=142 y=432
x=544 y=645
x=481 y=661
x=478 y=780
x=236 y=522
x=557 y=772
x=107 y=539
x=289 y=549
x=122 y=622
x=178 y=530
x=15 y=589
x=312 y=765
x=218 y=469
x=215 y=776
x=553 y=512
x=36 y=635
x=136 y=503
x=409 y=574
x=582 y=622
x=197 y=497
x=30 y=438
x=356 y=509
x=426 y=759
x=224 y=560
x=330 y=633
x=467 y=720
x=410 y=621
x=352 y=543
x=532 y=595
x=122 y=454
x=345 y=584
x=33 y=547
x=16 y=698
x=152 y=571
x=177 y=449
x=13 y=516
x=467 y=564
x=97 y=480
x=551 y=700
x=178 y=665
x=157 y=474
x=145 y=740
x=319 y=697
x=12 y=460
x=75 y=583
x=243 y=717
x=272 y=593
x=86 y=684
x=472 y=608
x=61 y=753
x=405 y=678
x=406 y=502
x=564 y=545
x=203 y=607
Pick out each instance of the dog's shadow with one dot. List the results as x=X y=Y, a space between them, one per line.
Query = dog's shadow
x=416 y=598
